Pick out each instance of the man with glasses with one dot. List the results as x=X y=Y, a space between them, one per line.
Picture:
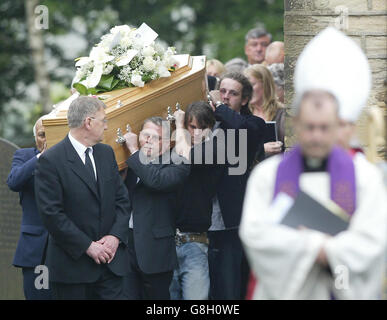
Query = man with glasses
x=155 y=174
x=85 y=208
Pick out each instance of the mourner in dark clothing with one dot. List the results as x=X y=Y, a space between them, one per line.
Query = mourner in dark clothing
x=153 y=180
x=191 y=277
x=244 y=133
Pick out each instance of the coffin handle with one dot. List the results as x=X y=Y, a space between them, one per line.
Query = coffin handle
x=170 y=116
x=120 y=138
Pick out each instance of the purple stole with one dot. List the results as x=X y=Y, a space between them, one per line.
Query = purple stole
x=341 y=171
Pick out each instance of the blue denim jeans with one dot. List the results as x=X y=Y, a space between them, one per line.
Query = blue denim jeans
x=191 y=279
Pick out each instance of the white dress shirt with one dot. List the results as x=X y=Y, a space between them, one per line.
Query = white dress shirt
x=80 y=149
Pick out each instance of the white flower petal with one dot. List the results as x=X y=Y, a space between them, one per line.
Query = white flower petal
x=149 y=64
x=93 y=80
x=107 y=68
x=116 y=40
x=120 y=29
x=136 y=80
x=82 y=61
x=163 y=71
x=98 y=55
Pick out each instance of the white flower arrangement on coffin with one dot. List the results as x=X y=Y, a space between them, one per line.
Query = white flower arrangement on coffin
x=125 y=57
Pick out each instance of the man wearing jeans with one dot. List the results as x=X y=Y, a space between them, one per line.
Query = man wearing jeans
x=191 y=277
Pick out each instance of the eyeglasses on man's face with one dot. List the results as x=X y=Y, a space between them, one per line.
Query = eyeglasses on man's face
x=104 y=120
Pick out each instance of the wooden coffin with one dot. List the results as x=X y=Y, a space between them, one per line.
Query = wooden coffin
x=133 y=105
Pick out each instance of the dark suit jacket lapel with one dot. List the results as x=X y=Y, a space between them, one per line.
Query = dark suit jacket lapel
x=79 y=168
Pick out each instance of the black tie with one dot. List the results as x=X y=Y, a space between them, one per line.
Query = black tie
x=88 y=164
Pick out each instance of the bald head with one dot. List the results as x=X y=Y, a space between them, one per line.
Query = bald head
x=275 y=53
x=39 y=134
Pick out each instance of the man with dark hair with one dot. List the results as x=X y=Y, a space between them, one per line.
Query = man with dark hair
x=191 y=278
x=257 y=40
x=154 y=176
x=84 y=206
x=243 y=132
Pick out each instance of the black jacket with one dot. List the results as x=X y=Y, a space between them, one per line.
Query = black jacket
x=77 y=211
x=231 y=188
x=153 y=201
x=195 y=198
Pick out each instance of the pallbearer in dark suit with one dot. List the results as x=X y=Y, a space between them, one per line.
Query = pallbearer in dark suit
x=154 y=176
x=84 y=205
x=33 y=235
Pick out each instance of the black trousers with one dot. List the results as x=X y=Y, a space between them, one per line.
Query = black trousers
x=143 y=286
x=30 y=291
x=228 y=266
x=107 y=287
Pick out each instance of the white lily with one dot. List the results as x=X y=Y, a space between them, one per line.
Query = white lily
x=116 y=40
x=107 y=68
x=93 y=79
x=82 y=61
x=106 y=41
x=98 y=55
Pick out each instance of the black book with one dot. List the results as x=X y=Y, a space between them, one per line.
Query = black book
x=271 y=131
x=311 y=214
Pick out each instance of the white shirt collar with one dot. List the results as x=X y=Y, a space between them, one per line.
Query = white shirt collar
x=79 y=147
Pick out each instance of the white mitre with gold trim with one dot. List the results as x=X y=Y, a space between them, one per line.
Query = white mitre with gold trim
x=335 y=63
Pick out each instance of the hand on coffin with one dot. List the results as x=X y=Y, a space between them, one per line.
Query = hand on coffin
x=44 y=149
x=179 y=118
x=215 y=98
x=131 y=141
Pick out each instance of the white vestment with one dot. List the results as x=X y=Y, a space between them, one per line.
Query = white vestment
x=284 y=259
